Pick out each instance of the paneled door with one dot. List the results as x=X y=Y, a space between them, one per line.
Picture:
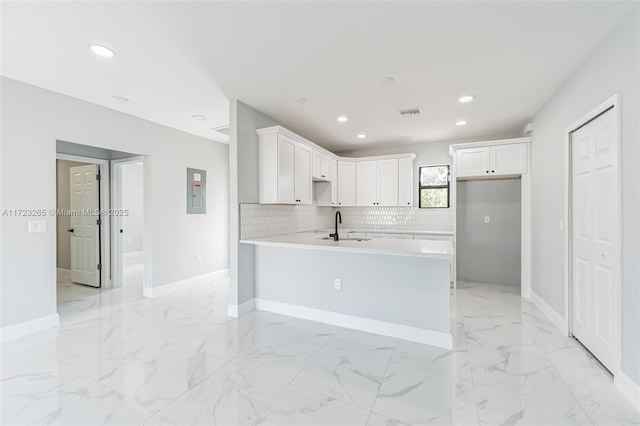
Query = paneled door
x=595 y=253
x=85 y=229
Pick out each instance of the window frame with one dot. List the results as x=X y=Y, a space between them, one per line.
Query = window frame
x=447 y=186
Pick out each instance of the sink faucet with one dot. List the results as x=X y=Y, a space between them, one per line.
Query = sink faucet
x=338 y=217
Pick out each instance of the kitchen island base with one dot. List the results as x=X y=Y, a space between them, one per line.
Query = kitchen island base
x=402 y=296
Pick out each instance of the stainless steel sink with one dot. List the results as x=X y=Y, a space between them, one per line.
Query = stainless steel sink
x=346 y=239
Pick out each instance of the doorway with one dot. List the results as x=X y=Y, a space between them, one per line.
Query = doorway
x=128 y=223
x=80 y=229
x=594 y=237
x=489 y=230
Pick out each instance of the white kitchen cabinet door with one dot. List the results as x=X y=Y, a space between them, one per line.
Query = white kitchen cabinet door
x=387 y=182
x=346 y=183
x=405 y=182
x=303 y=174
x=317 y=165
x=321 y=167
x=334 y=182
x=508 y=159
x=286 y=170
x=366 y=183
x=473 y=162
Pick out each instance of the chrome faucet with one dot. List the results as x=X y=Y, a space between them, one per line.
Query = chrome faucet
x=338 y=217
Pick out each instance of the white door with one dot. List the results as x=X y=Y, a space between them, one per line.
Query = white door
x=334 y=182
x=85 y=241
x=387 y=182
x=595 y=239
x=346 y=183
x=303 y=174
x=366 y=174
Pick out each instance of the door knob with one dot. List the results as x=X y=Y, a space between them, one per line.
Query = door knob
x=70 y=230
x=121 y=231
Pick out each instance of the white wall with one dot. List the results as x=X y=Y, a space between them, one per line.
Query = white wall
x=133 y=202
x=63 y=222
x=243 y=184
x=613 y=68
x=488 y=252
x=32 y=120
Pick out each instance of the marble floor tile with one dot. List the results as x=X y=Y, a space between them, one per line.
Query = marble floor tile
x=414 y=395
x=498 y=407
x=231 y=396
x=345 y=375
x=360 y=341
x=155 y=385
x=279 y=355
x=297 y=406
x=121 y=359
x=440 y=360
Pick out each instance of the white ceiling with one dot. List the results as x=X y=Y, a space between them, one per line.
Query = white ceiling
x=177 y=59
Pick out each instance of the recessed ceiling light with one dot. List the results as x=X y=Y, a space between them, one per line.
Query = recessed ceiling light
x=466 y=98
x=199 y=117
x=301 y=100
x=121 y=99
x=361 y=136
x=461 y=123
x=102 y=51
x=343 y=119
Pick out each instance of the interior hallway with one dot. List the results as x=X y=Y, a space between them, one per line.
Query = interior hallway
x=119 y=358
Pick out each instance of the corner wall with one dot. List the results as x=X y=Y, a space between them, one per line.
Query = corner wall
x=612 y=68
x=32 y=120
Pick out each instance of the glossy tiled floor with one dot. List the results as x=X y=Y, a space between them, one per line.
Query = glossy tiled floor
x=124 y=360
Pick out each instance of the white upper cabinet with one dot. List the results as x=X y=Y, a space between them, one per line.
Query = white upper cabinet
x=284 y=170
x=321 y=167
x=366 y=182
x=405 y=182
x=387 y=183
x=491 y=160
x=293 y=170
x=377 y=182
x=346 y=183
x=509 y=159
x=303 y=174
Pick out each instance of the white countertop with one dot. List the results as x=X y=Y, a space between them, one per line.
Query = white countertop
x=314 y=240
x=383 y=231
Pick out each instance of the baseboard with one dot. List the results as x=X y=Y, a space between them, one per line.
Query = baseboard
x=555 y=318
x=184 y=284
x=25 y=328
x=405 y=332
x=627 y=387
x=241 y=309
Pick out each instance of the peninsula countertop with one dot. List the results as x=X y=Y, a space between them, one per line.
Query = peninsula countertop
x=316 y=240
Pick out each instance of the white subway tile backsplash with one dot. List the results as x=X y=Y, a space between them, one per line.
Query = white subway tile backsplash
x=263 y=220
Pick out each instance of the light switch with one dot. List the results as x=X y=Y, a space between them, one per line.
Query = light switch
x=487 y=219
x=37 y=226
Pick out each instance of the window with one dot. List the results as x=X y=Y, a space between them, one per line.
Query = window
x=434 y=187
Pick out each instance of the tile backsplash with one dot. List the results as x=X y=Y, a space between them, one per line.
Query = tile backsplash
x=264 y=220
x=389 y=218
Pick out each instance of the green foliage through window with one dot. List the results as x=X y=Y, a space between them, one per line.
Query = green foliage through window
x=434 y=187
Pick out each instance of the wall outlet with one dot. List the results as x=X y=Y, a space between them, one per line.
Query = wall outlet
x=198 y=258
x=487 y=219
x=337 y=284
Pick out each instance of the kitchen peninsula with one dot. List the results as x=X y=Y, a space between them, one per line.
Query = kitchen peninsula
x=394 y=287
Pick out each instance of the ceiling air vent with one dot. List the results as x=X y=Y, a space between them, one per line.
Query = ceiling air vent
x=413 y=112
